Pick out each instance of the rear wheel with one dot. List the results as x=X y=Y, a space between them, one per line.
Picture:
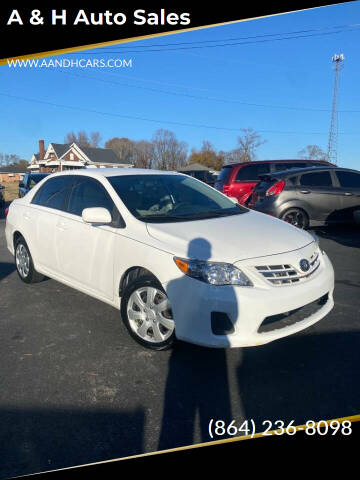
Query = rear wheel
x=296 y=217
x=147 y=314
x=24 y=264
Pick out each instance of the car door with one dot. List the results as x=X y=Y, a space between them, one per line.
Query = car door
x=322 y=198
x=41 y=219
x=85 y=252
x=349 y=183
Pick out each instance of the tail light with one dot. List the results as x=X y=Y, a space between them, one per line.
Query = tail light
x=277 y=188
x=6 y=211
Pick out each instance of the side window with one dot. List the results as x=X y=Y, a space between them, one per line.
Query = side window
x=86 y=193
x=54 y=193
x=348 y=179
x=251 y=172
x=316 y=179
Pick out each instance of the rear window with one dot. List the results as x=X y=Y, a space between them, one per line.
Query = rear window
x=288 y=166
x=349 y=179
x=252 y=172
x=316 y=179
x=224 y=174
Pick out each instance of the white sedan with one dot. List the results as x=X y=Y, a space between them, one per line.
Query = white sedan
x=178 y=258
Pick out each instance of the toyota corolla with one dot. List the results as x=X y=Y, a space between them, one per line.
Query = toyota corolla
x=177 y=258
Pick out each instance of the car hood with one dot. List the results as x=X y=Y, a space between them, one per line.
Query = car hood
x=229 y=239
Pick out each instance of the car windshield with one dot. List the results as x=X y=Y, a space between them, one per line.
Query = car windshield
x=171 y=198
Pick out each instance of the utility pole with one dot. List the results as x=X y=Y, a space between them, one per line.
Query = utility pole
x=337 y=60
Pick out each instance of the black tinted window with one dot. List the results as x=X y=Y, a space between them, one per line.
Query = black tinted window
x=287 y=166
x=86 y=193
x=251 y=172
x=316 y=179
x=54 y=193
x=349 y=179
x=224 y=174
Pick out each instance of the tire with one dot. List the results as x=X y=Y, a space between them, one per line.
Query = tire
x=297 y=217
x=148 y=325
x=24 y=263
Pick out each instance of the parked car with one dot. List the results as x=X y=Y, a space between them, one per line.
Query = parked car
x=239 y=179
x=316 y=196
x=179 y=259
x=29 y=181
x=2 y=200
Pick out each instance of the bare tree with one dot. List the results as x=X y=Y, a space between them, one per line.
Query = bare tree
x=143 y=154
x=312 y=152
x=247 y=145
x=124 y=147
x=169 y=152
x=9 y=159
x=83 y=139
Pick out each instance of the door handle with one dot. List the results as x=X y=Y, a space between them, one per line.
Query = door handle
x=348 y=194
x=61 y=226
x=304 y=191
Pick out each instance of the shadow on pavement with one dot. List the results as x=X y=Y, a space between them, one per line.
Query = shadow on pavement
x=6 y=269
x=302 y=378
x=347 y=235
x=38 y=440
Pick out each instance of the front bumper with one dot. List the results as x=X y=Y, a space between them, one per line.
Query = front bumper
x=193 y=302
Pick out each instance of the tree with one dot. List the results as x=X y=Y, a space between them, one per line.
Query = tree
x=124 y=147
x=247 y=144
x=7 y=159
x=143 y=154
x=169 y=152
x=312 y=152
x=83 y=139
x=207 y=156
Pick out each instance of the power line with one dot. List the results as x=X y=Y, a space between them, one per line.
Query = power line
x=211 y=46
x=355 y=25
x=145 y=119
x=215 y=99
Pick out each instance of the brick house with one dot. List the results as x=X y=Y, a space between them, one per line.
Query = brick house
x=66 y=156
x=11 y=174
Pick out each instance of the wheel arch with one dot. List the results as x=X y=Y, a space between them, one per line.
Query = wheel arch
x=131 y=274
x=294 y=204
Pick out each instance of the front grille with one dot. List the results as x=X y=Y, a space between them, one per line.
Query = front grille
x=290 y=318
x=286 y=274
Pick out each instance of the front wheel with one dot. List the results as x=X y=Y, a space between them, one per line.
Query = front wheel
x=296 y=217
x=147 y=314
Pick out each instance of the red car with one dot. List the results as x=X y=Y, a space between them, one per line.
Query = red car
x=239 y=179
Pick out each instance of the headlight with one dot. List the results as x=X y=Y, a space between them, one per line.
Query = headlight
x=213 y=272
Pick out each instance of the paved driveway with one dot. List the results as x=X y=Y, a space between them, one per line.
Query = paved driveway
x=76 y=389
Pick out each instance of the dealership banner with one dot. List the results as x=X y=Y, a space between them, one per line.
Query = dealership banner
x=53 y=29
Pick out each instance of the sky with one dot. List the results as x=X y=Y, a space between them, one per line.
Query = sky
x=282 y=88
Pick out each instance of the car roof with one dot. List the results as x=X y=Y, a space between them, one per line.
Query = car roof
x=295 y=171
x=114 y=172
x=299 y=160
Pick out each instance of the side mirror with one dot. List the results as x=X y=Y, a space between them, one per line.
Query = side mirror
x=234 y=200
x=96 y=215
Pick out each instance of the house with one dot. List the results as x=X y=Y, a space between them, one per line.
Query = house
x=11 y=173
x=66 y=156
x=201 y=172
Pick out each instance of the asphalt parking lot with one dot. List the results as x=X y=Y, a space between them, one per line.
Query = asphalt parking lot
x=75 y=388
